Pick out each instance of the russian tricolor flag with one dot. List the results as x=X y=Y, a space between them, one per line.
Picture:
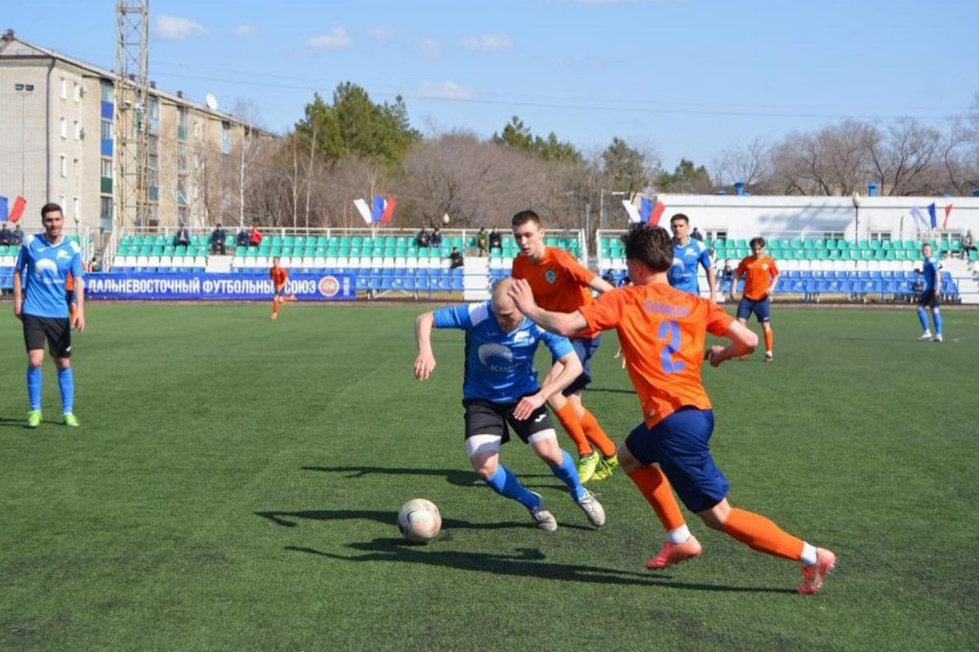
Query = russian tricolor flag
x=383 y=208
x=12 y=214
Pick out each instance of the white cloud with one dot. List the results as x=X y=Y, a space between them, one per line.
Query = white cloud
x=431 y=48
x=379 y=33
x=243 y=31
x=445 y=91
x=488 y=43
x=336 y=38
x=175 y=28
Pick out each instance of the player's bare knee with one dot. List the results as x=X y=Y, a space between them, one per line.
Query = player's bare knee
x=716 y=516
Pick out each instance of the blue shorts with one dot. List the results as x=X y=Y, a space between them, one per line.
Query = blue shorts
x=679 y=444
x=584 y=348
x=762 y=308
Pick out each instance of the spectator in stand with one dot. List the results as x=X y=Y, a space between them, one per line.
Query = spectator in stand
x=968 y=242
x=18 y=238
x=217 y=240
x=6 y=235
x=242 y=239
x=182 y=239
x=482 y=242
x=455 y=259
x=255 y=237
x=495 y=240
x=436 y=238
x=94 y=265
x=697 y=235
x=423 y=239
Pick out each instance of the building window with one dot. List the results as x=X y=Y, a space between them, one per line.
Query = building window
x=198 y=130
x=225 y=137
x=77 y=130
x=79 y=91
x=76 y=168
x=105 y=208
x=64 y=127
x=883 y=236
x=64 y=166
x=834 y=235
x=106 y=168
x=61 y=202
x=76 y=207
x=106 y=130
x=108 y=92
x=64 y=88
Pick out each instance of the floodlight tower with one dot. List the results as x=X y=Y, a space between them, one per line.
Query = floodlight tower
x=131 y=119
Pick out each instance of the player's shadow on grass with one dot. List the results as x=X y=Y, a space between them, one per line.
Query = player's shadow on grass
x=290 y=519
x=525 y=562
x=10 y=422
x=457 y=477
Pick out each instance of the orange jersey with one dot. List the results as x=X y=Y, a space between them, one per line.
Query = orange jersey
x=662 y=332
x=559 y=282
x=759 y=273
x=278 y=275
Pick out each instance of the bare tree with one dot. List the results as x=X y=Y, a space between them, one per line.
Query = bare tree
x=751 y=164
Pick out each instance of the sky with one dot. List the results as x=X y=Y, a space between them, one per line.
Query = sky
x=679 y=78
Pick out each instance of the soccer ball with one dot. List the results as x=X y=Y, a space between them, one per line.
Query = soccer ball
x=419 y=520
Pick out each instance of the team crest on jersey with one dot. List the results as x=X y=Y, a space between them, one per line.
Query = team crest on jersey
x=63 y=254
x=764 y=266
x=550 y=276
x=521 y=336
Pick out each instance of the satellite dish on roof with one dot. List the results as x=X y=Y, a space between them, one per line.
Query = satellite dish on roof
x=211 y=101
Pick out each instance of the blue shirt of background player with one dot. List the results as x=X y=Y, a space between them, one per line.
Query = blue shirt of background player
x=44 y=267
x=499 y=366
x=930 y=272
x=686 y=258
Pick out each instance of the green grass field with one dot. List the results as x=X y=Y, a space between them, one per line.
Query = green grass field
x=235 y=483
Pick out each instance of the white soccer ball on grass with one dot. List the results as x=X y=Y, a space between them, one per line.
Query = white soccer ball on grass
x=419 y=520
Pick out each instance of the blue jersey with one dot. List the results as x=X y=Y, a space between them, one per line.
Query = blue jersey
x=931 y=274
x=686 y=258
x=499 y=366
x=43 y=270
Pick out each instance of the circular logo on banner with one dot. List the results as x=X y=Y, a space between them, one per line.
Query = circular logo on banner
x=329 y=286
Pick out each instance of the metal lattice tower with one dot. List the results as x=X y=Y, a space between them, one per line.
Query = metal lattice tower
x=131 y=113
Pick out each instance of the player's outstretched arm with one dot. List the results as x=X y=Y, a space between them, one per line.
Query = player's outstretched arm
x=562 y=374
x=743 y=342
x=425 y=362
x=712 y=284
x=562 y=323
x=600 y=285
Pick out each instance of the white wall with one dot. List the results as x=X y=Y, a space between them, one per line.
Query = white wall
x=748 y=216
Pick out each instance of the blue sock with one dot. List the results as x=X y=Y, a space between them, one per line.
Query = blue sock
x=34 y=387
x=567 y=473
x=923 y=318
x=937 y=316
x=66 y=383
x=506 y=484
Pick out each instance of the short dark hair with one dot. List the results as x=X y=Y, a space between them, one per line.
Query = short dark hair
x=757 y=241
x=680 y=216
x=51 y=207
x=525 y=216
x=650 y=245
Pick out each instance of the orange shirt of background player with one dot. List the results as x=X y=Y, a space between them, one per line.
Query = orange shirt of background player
x=278 y=275
x=69 y=282
x=559 y=282
x=759 y=273
x=662 y=334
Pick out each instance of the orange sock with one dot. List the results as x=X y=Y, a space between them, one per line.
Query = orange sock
x=761 y=534
x=569 y=421
x=275 y=306
x=596 y=435
x=769 y=337
x=656 y=489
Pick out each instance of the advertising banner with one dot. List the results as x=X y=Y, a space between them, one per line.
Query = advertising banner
x=198 y=286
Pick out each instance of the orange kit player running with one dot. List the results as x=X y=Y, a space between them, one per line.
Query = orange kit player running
x=279 y=276
x=561 y=283
x=663 y=332
x=761 y=276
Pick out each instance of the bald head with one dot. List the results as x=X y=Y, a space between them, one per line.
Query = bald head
x=504 y=309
